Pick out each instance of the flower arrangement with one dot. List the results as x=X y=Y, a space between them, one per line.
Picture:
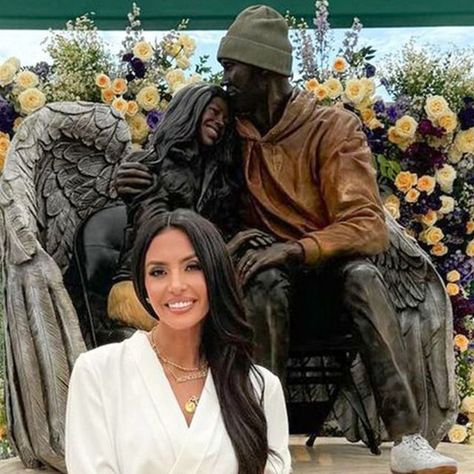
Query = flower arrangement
x=423 y=147
x=147 y=76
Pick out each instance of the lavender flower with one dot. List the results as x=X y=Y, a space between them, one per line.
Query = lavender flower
x=153 y=119
x=369 y=70
x=127 y=57
x=42 y=70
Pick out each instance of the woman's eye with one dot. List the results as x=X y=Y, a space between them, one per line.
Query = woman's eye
x=195 y=266
x=156 y=272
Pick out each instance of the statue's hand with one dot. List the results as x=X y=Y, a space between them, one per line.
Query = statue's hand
x=253 y=238
x=276 y=255
x=132 y=178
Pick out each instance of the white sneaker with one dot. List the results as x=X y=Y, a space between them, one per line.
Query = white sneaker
x=414 y=455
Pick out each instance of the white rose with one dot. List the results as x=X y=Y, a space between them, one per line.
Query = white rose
x=457 y=434
x=445 y=177
x=7 y=73
x=467 y=405
x=447 y=204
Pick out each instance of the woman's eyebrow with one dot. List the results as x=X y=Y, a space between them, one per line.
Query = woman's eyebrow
x=157 y=262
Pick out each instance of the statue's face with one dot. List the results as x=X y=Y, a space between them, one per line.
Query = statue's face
x=244 y=85
x=213 y=121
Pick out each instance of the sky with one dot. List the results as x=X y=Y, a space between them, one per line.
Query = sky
x=27 y=45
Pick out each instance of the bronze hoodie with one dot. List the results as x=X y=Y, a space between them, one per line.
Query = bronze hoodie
x=311 y=179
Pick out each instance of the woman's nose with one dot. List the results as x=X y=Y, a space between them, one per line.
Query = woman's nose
x=177 y=282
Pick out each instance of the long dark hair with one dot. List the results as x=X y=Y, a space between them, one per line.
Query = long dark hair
x=178 y=130
x=226 y=336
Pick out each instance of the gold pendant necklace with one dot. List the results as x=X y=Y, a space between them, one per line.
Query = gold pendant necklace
x=191 y=405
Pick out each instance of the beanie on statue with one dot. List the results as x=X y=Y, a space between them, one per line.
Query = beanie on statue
x=259 y=37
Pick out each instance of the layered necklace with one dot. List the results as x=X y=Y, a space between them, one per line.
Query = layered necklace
x=190 y=373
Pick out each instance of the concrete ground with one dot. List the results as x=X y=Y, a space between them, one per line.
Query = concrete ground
x=328 y=456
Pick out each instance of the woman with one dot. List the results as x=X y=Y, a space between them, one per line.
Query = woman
x=184 y=398
x=190 y=163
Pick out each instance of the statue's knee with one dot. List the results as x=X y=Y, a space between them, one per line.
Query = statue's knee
x=270 y=282
x=360 y=273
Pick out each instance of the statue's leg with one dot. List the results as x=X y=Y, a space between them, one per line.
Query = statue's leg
x=386 y=358
x=267 y=307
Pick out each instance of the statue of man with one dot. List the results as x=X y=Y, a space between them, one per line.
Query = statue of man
x=312 y=187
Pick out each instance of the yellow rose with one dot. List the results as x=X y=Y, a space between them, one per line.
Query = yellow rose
x=174 y=78
x=467 y=405
x=4 y=144
x=7 y=74
x=2 y=163
x=447 y=204
x=461 y=342
x=457 y=434
x=132 y=108
x=120 y=105
x=334 y=87
x=470 y=249
x=448 y=121
x=369 y=85
x=148 y=98
x=392 y=199
x=138 y=127
x=464 y=141
x=321 y=92
x=172 y=48
x=469 y=227
x=453 y=276
x=436 y=106
x=445 y=177
x=430 y=218
x=187 y=43
x=367 y=115
x=355 y=91
x=439 y=249
x=404 y=181
x=143 y=50
x=26 y=79
x=107 y=95
x=31 y=99
x=375 y=123
x=432 y=235
x=406 y=127
x=454 y=155
x=311 y=84
x=452 y=289
x=339 y=65
x=426 y=184
x=15 y=62
x=412 y=195
x=393 y=210
x=395 y=138
x=119 y=86
x=102 y=81
x=182 y=61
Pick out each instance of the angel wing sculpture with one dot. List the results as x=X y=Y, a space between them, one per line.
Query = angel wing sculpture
x=59 y=171
x=425 y=315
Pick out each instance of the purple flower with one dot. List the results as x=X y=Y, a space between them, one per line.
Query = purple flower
x=468 y=101
x=138 y=67
x=7 y=116
x=466 y=117
x=379 y=107
x=369 y=70
x=153 y=119
x=392 y=113
x=127 y=57
x=130 y=77
x=41 y=69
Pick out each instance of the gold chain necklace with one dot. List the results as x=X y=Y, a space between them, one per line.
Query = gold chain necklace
x=196 y=373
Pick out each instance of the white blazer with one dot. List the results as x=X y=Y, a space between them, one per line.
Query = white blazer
x=123 y=418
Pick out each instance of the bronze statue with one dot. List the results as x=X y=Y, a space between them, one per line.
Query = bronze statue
x=311 y=185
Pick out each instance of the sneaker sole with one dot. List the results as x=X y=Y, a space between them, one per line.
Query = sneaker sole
x=433 y=470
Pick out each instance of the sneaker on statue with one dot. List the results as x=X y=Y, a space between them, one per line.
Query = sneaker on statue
x=414 y=455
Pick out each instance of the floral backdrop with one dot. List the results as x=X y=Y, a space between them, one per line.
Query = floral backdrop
x=422 y=138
